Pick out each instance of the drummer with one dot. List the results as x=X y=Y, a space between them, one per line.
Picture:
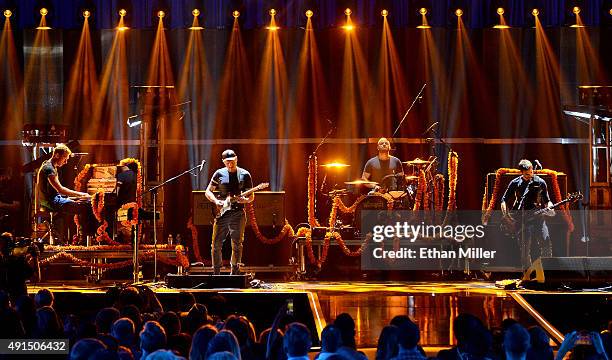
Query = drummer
x=381 y=166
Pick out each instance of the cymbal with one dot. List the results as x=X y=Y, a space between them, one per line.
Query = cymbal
x=411 y=177
x=417 y=162
x=361 y=182
x=335 y=165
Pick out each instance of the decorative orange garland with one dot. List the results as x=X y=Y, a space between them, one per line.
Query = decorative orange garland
x=439 y=192
x=97 y=206
x=195 y=244
x=312 y=192
x=79 y=183
x=453 y=169
x=181 y=260
x=287 y=230
x=139 y=183
x=421 y=189
x=134 y=206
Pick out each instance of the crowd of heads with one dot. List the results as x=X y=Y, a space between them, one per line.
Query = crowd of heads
x=137 y=327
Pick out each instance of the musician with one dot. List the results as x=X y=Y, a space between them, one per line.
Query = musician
x=530 y=193
x=230 y=180
x=53 y=196
x=382 y=165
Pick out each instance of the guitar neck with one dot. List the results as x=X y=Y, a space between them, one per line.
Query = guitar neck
x=552 y=207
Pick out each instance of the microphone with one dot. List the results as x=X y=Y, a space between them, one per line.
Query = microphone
x=201 y=166
x=538 y=164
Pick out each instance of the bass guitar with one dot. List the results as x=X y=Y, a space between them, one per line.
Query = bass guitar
x=512 y=227
x=230 y=200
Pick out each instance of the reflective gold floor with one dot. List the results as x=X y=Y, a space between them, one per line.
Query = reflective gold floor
x=432 y=305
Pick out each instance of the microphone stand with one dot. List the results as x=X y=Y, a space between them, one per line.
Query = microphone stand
x=408 y=111
x=153 y=192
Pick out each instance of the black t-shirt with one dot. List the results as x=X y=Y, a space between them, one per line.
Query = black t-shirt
x=528 y=195
x=378 y=169
x=231 y=183
x=46 y=192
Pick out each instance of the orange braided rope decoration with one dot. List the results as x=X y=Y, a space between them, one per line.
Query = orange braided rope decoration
x=180 y=261
x=97 y=206
x=439 y=192
x=312 y=192
x=421 y=188
x=195 y=244
x=286 y=231
x=79 y=185
x=453 y=169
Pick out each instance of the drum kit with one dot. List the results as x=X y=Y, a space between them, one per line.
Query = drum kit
x=401 y=189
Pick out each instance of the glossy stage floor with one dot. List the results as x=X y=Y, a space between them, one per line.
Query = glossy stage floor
x=433 y=305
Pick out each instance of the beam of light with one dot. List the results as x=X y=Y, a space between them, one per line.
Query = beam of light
x=348 y=26
x=391 y=96
x=195 y=86
x=589 y=69
x=167 y=124
x=515 y=95
x=551 y=90
x=82 y=87
x=353 y=115
x=11 y=82
x=310 y=105
x=424 y=23
x=272 y=26
x=43 y=20
x=272 y=101
x=112 y=103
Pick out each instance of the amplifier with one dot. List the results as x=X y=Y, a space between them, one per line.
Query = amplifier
x=269 y=208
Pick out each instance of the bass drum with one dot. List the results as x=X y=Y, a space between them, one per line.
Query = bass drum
x=371 y=202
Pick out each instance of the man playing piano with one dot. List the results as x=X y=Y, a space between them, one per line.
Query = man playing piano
x=53 y=196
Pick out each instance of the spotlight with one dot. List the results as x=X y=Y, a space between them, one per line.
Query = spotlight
x=576 y=10
x=384 y=13
x=235 y=14
x=195 y=12
x=272 y=12
x=86 y=14
x=309 y=13
x=610 y=11
x=8 y=13
x=161 y=14
x=459 y=12
x=348 y=12
x=122 y=12
x=535 y=12
x=500 y=11
x=423 y=11
x=44 y=11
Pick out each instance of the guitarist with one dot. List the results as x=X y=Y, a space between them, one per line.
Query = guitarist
x=530 y=193
x=230 y=180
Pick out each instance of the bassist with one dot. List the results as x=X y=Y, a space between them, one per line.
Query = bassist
x=230 y=180
x=530 y=193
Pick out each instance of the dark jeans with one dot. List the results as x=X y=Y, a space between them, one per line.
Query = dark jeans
x=231 y=223
x=538 y=233
x=83 y=210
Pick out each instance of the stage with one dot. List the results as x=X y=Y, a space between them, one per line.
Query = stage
x=432 y=305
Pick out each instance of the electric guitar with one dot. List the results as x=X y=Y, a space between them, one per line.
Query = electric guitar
x=229 y=200
x=512 y=227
